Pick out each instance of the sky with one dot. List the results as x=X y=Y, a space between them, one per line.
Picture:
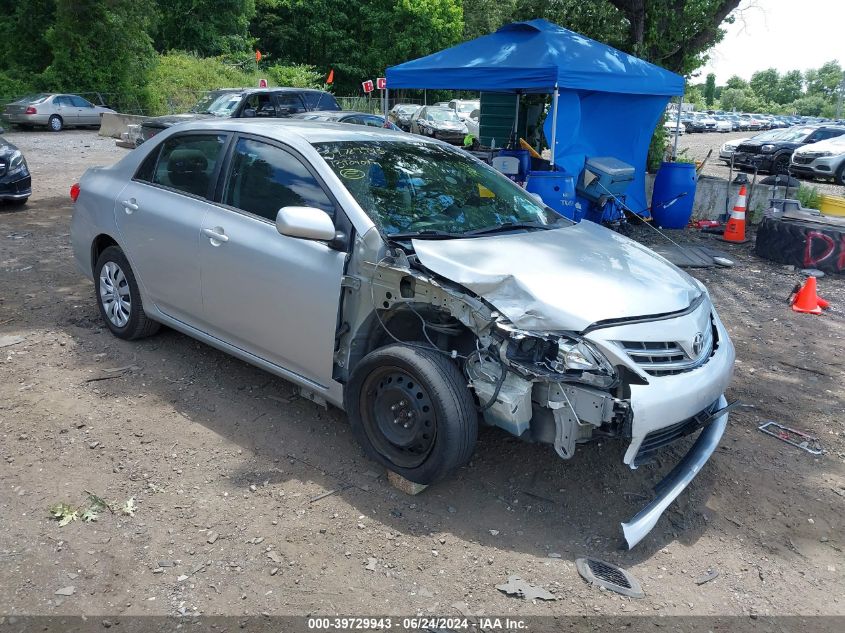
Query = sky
x=782 y=34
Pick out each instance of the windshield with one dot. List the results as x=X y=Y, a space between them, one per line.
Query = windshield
x=36 y=98
x=412 y=187
x=443 y=114
x=222 y=105
x=789 y=134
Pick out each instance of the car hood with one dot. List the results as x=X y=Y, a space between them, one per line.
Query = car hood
x=835 y=145
x=562 y=279
x=172 y=119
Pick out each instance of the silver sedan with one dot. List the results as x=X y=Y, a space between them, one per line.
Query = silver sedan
x=411 y=284
x=54 y=111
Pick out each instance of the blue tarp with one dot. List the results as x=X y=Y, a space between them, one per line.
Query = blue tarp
x=609 y=101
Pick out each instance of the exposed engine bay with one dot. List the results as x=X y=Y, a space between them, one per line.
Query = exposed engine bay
x=548 y=387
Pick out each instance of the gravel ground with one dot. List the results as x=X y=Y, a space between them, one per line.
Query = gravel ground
x=249 y=500
x=697 y=146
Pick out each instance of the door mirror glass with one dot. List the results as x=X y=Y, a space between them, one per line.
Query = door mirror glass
x=306 y=223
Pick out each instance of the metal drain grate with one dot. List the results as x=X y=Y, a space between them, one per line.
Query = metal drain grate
x=609 y=576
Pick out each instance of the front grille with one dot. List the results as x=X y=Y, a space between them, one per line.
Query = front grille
x=667 y=358
x=668 y=434
x=803 y=160
x=750 y=149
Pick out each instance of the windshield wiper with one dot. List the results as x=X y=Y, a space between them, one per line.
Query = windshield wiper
x=425 y=234
x=508 y=226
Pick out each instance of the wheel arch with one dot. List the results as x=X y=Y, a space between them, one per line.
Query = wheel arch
x=100 y=243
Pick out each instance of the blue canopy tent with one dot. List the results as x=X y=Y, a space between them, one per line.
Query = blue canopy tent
x=605 y=103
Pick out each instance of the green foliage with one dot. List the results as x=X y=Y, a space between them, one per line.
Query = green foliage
x=736 y=82
x=710 y=90
x=809 y=197
x=765 y=84
x=205 y=27
x=733 y=99
x=657 y=149
x=101 y=45
x=296 y=76
x=810 y=105
x=790 y=87
x=824 y=81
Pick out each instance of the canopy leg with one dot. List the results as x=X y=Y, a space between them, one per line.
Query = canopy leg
x=554 y=126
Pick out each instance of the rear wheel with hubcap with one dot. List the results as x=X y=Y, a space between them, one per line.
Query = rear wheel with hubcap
x=55 y=123
x=410 y=409
x=118 y=297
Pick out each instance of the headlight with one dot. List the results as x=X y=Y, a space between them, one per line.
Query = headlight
x=557 y=357
x=767 y=149
x=17 y=163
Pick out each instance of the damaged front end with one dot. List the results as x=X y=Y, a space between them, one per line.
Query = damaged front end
x=553 y=387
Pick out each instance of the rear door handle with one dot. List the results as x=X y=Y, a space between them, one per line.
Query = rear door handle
x=216 y=235
x=129 y=205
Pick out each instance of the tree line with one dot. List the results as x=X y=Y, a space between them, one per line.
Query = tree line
x=814 y=92
x=145 y=53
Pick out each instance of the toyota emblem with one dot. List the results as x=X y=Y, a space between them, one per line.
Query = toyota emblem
x=698 y=344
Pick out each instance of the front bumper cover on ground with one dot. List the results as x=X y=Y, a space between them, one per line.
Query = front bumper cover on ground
x=680 y=477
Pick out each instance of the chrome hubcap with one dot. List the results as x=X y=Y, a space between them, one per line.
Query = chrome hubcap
x=114 y=294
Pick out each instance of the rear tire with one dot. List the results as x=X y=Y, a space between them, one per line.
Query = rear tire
x=411 y=411
x=780 y=165
x=118 y=297
x=839 y=178
x=55 y=123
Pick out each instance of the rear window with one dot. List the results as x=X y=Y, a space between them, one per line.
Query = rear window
x=320 y=101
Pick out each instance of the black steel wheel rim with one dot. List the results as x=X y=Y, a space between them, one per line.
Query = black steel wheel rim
x=398 y=416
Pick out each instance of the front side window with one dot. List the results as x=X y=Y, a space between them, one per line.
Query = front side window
x=264 y=178
x=79 y=102
x=261 y=105
x=185 y=163
x=289 y=103
x=413 y=187
x=62 y=102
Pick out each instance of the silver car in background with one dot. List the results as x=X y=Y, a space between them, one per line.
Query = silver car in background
x=54 y=111
x=411 y=284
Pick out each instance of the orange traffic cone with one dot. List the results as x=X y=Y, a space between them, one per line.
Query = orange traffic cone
x=806 y=299
x=735 y=228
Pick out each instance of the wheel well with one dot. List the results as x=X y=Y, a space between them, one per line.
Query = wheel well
x=100 y=243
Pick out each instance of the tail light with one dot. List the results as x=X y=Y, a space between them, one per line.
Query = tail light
x=31 y=110
x=74 y=191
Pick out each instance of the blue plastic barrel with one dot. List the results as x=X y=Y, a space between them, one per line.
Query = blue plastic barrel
x=673 y=179
x=524 y=159
x=557 y=189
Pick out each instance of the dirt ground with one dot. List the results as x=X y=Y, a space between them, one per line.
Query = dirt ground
x=230 y=474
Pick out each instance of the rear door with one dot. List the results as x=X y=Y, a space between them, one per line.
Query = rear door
x=274 y=296
x=63 y=106
x=159 y=215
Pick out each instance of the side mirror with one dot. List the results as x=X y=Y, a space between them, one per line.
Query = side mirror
x=306 y=223
x=248 y=113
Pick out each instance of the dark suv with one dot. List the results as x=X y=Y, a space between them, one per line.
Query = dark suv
x=772 y=151
x=245 y=103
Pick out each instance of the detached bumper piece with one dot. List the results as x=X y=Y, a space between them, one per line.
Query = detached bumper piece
x=680 y=477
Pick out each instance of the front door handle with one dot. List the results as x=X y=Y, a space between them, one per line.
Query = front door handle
x=129 y=205
x=216 y=235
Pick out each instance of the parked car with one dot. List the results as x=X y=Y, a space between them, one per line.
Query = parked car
x=245 y=103
x=825 y=159
x=439 y=123
x=750 y=123
x=728 y=148
x=473 y=123
x=735 y=121
x=464 y=107
x=54 y=111
x=15 y=180
x=401 y=115
x=772 y=151
x=671 y=126
x=702 y=123
x=407 y=282
x=346 y=116
x=723 y=124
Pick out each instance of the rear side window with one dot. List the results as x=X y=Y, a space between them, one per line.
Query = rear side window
x=320 y=101
x=62 y=101
x=185 y=163
x=264 y=178
x=289 y=103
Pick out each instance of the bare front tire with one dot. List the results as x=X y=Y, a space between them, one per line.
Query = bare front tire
x=411 y=410
x=118 y=297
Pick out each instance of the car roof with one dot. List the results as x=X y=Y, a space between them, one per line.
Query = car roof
x=308 y=130
x=262 y=90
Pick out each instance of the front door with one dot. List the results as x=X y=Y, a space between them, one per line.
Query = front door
x=274 y=296
x=159 y=215
x=65 y=109
x=86 y=113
